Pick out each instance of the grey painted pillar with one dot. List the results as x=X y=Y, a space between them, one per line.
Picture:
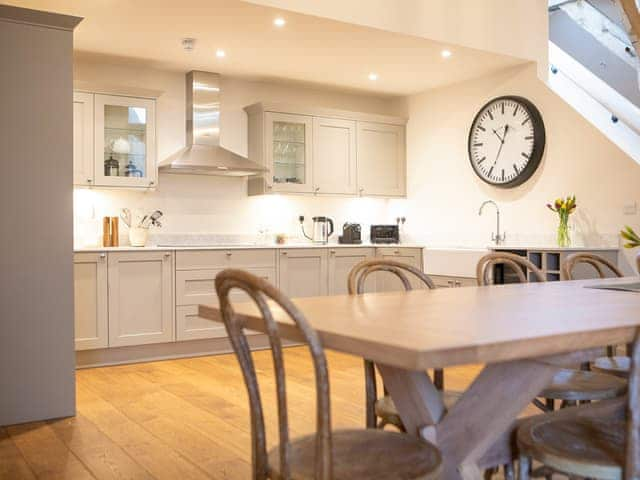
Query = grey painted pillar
x=36 y=256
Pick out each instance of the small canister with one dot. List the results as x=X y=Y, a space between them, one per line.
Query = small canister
x=111 y=167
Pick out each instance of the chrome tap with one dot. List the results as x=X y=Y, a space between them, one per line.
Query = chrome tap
x=495 y=237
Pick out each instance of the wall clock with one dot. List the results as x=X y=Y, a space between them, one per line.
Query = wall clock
x=506 y=141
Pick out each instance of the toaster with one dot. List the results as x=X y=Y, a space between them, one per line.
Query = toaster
x=351 y=233
x=385 y=234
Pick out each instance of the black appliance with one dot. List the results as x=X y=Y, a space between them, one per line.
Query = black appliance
x=385 y=234
x=351 y=233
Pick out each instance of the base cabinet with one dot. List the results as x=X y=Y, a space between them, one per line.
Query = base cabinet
x=387 y=282
x=140 y=298
x=303 y=272
x=341 y=261
x=196 y=271
x=90 y=296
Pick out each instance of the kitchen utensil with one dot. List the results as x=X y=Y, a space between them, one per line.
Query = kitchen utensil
x=351 y=234
x=106 y=232
x=111 y=167
x=322 y=229
x=115 y=232
x=385 y=234
x=125 y=215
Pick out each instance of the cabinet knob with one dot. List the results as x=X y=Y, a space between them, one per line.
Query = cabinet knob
x=332 y=252
x=103 y=255
x=228 y=254
x=89 y=180
x=397 y=252
x=316 y=190
x=284 y=253
x=167 y=254
x=152 y=183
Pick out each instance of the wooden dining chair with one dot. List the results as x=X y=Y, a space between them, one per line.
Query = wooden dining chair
x=383 y=408
x=326 y=454
x=568 y=386
x=612 y=364
x=587 y=442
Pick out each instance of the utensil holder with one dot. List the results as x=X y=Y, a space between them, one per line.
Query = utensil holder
x=138 y=236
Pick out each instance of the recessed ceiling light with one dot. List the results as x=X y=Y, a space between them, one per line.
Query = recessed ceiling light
x=373 y=76
x=220 y=53
x=279 y=22
x=445 y=53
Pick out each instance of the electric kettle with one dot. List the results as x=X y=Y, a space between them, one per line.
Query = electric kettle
x=322 y=229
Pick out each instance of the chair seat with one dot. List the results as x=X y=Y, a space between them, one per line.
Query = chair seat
x=364 y=454
x=618 y=366
x=387 y=411
x=582 y=446
x=581 y=385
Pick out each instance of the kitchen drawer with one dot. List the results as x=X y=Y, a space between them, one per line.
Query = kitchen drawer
x=195 y=287
x=189 y=326
x=398 y=251
x=236 y=258
x=443 y=281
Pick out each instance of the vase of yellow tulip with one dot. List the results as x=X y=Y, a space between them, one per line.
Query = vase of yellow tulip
x=564 y=208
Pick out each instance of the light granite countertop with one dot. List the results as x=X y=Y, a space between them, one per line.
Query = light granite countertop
x=240 y=246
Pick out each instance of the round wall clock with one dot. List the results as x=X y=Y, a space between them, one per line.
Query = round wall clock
x=506 y=141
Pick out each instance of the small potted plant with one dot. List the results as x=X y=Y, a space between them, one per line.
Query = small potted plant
x=564 y=208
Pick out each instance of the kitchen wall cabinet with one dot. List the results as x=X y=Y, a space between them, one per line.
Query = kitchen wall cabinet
x=195 y=284
x=326 y=151
x=381 y=159
x=387 y=282
x=114 y=141
x=90 y=297
x=303 y=272
x=340 y=263
x=334 y=155
x=140 y=297
x=83 y=163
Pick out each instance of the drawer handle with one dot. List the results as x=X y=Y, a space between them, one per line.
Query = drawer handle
x=228 y=254
x=284 y=253
x=397 y=252
x=332 y=252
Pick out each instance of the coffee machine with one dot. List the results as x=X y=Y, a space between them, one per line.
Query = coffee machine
x=351 y=234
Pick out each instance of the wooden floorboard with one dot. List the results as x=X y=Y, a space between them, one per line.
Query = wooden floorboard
x=186 y=418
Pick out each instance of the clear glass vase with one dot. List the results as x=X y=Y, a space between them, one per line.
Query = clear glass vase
x=564 y=238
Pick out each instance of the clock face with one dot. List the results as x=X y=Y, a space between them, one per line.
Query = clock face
x=506 y=141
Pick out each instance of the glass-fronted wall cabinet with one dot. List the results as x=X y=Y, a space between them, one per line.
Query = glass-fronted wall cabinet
x=289 y=151
x=114 y=141
x=124 y=141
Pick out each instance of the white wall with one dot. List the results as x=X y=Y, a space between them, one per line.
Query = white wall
x=444 y=194
x=512 y=27
x=218 y=204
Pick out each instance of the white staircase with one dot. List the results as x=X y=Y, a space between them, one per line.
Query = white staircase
x=594 y=59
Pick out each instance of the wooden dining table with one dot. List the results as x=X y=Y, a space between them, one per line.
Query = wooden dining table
x=522 y=334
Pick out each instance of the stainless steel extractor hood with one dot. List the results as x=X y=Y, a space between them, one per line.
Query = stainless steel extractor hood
x=203 y=154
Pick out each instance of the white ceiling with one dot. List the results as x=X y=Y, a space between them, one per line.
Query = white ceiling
x=306 y=49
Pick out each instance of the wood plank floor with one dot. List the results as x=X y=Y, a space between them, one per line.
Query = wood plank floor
x=179 y=419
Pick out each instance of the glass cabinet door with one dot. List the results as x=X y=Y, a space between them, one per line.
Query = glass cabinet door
x=125 y=141
x=289 y=149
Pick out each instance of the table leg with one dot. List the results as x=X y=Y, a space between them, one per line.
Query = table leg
x=479 y=419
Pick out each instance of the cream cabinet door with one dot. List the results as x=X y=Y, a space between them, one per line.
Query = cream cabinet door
x=388 y=282
x=90 y=296
x=381 y=159
x=288 y=144
x=125 y=141
x=303 y=272
x=83 y=173
x=341 y=261
x=194 y=287
x=140 y=298
x=334 y=155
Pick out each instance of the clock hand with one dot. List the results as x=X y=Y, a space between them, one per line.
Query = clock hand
x=497 y=134
x=504 y=136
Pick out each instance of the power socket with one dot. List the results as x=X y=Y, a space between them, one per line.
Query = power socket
x=630 y=208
